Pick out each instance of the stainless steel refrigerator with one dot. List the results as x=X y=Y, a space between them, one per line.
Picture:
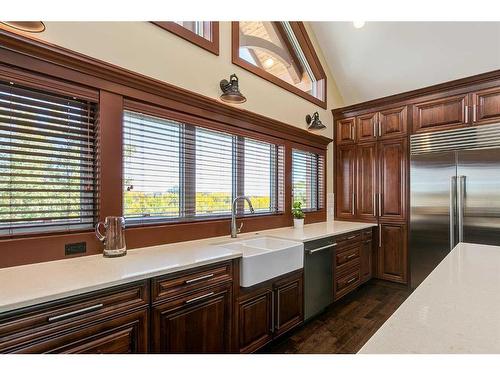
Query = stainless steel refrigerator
x=454 y=194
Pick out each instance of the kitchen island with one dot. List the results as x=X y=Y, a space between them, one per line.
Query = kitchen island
x=454 y=310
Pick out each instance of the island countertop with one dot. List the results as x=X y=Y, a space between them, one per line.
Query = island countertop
x=454 y=310
x=32 y=284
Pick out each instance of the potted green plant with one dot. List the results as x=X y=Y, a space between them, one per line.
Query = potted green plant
x=298 y=215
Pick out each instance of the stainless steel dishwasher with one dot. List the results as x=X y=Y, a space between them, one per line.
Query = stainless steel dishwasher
x=318 y=275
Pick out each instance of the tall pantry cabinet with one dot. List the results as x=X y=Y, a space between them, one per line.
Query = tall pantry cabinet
x=371 y=177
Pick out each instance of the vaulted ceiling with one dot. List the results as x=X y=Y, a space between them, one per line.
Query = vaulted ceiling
x=385 y=58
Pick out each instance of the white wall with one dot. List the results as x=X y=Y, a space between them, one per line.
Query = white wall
x=152 y=51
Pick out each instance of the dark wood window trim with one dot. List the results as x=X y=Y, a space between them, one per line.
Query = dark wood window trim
x=309 y=52
x=209 y=45
x=44 y=65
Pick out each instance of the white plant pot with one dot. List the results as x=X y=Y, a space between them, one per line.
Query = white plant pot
x=298 y=223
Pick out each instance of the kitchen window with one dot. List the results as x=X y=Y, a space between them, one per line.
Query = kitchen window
x=308 y=179
x=204 y=34
x=282 y=53
x=176 y=171
x=47 y=161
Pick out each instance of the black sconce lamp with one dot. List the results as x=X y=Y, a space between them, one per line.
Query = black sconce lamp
x=27 y=26
x=230 y=91
x=314 y=122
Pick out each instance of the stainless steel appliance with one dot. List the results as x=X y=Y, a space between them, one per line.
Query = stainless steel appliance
x=454 y=194
x=318 y=275
x=114 y=240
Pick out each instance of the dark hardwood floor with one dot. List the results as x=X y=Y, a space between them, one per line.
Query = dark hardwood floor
x=347 y=325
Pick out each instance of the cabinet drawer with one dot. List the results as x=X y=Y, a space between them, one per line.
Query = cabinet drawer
x=170 y=286
x=123 y=334
x=347 y=259
x=347 y=240
x=366 y=234
x=347 y=282
x=51 y=319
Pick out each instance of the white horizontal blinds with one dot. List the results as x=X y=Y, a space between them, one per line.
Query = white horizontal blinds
x=176 y=171
x=263 y=175
x=151 y=175
x=215 y=163
x=47 y=161
x=308 y=179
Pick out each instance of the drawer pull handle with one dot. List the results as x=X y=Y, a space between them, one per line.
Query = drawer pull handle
x=199 y=278
x=351 y=256
x=351 y=237
x=351 y=280
x=200 y=297
x=75 y=313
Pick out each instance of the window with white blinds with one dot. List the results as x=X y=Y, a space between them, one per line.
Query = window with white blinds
x=175 y=171
x=47 y=161
x=308 y=179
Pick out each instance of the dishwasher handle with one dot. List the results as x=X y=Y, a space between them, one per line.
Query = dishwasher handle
x=322 y=248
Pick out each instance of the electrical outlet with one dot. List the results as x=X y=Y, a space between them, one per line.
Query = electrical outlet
x=75 y=248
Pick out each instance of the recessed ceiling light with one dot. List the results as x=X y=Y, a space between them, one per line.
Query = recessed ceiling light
x=268 y=63
x=358 y=24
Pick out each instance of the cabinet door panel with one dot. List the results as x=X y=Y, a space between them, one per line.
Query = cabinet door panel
x=345 y=175
x=366 y=182
x=196 y=323
x=392 y=179
x=366 y=260
x=392 y=123
x=366 y=127
x=392 y=252
x=440 y=114
x=288 y=304
x=345 y=133
x=256 y=321
x=486 y=106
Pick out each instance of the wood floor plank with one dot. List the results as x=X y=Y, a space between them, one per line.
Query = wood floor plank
x=346 y=325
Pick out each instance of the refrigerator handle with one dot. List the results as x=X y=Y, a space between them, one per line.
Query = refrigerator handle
x=460 y=202
x=453 y=199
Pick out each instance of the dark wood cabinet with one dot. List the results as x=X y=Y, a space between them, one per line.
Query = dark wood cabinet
x=114 y=320
x=366 y=256
x=270 y=309
x=441 y=114
x=125 y=334
x=195 y=323
x=346 y=131
x=289 y=304
x=486 y=106
x=392 y=252
x=256 y=320
x=351 y=261
x=366 y=182
x=366 y=127
x=345 y=181
x=392 y=159
x=392 y=123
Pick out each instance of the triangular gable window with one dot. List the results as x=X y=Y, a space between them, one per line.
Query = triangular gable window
x=282 y=53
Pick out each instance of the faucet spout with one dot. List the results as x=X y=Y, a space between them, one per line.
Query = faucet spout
x=234 y=229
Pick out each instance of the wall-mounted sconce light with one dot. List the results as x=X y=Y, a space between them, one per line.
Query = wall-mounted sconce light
x=314 y=122
x=27 y=26
x=230 y=91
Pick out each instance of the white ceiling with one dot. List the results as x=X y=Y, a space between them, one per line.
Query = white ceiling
x=385 y=58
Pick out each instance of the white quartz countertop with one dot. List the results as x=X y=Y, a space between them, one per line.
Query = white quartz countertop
x=318 y=230
x=454 y=310
x=32 y=284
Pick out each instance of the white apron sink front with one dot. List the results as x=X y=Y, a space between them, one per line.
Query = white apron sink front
x=266 y=257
